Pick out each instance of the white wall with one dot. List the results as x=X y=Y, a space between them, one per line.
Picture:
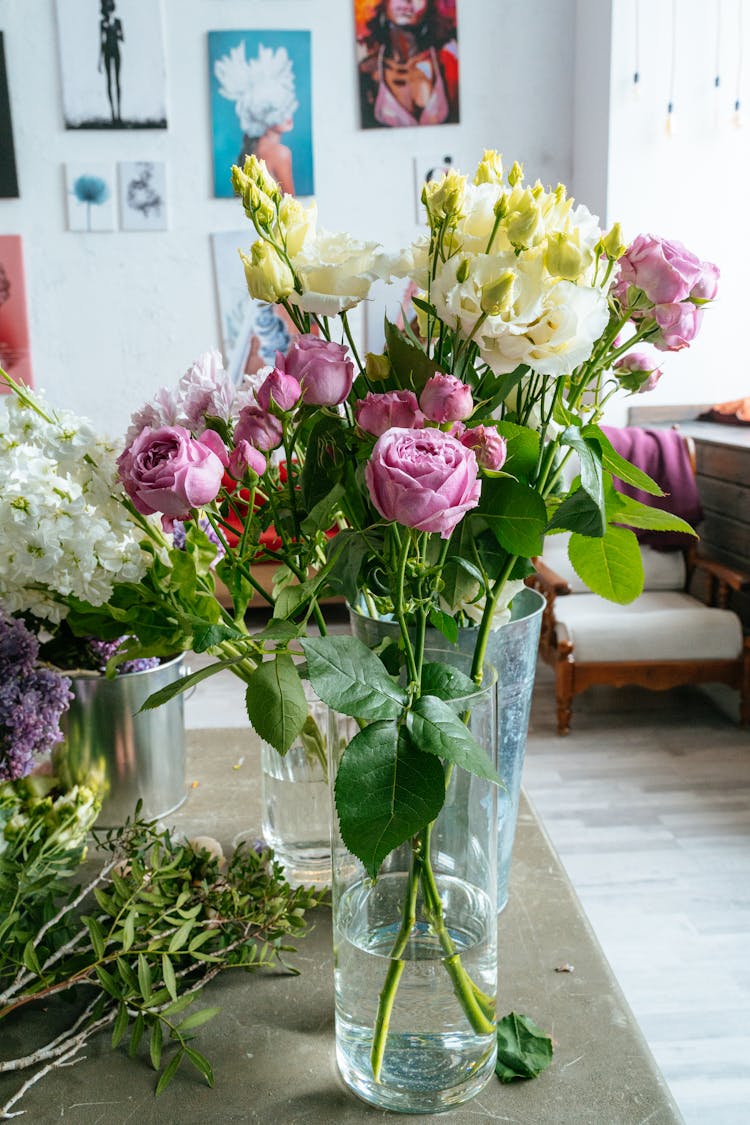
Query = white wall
x=692 y=185
x=114 y=316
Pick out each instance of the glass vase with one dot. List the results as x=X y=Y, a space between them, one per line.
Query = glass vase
x=512 y=651
x=415 y=950
x=296 y=801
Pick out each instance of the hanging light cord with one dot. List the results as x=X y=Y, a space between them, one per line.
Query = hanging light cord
x=637 y=68
x=717 y=67
x=738 y=90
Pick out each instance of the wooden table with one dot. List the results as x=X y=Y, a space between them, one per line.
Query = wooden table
x=272 y=1045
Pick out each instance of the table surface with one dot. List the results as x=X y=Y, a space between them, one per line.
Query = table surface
x=272 y=1044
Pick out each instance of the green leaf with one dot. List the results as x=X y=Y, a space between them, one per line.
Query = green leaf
x=516 y=515
x=324 y=455
x=121 y=1024
x=494 y=389
x=155 y=1044
x=169 y=1072
x=633 y=513
x=128 y=933
x=346 y=553
x=386 y=791
x=30 y=958
x=436 y=729
x=276 y=704
x=523 y=448
x=617 y=465
x=179 y=1005
x=167 y=972
x=578 y=512
x=611 y=566
x=202 y=1064
x=184 y=682
x=144 y=977
x=445 y=682
x=208 y=636
x=294 y=596
x=523 y=1049
x=321 y=515
x=197 y=1019
x=108 y=982
x=444 y=624
x=180 y=936
x=136 y=1034
x=589 y=455
x=350 y=678
x=410 y=363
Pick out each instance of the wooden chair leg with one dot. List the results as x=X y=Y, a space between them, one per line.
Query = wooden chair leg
x=564 y=672
x=745 y=686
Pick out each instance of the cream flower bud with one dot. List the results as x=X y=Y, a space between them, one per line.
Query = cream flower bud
x=257 y=171
x=515 y=176
x=497 y=295
x=296 y=222
x=522 y=224
x=268 y=277
x=563 y=258
x=444 y=197
x=490 y=168
x=501 y=207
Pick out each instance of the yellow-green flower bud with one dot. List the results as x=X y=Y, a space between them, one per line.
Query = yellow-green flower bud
x=377 y=367
x=497 y=295
x=257 y=171
x=522 y=224
x=563 y=258
x=501 y=207
x=490 y=168
x=268 y=276
x=612 y=244
x=463 y=271
x=444 y=197
x=515 y=176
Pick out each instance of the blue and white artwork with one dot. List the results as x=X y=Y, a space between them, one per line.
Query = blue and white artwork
x=143 y=195
x=89 y=191
x=261 y=103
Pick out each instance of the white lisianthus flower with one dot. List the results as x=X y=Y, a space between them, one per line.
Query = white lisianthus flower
x=474 y=609
x=336 y=272
x=297 y=223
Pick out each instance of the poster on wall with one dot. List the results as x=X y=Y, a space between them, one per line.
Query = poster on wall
x=112 y=63
x=15 y=349
x=407 y=58
x=8 y=177
x=90 y=196
x=261 y=104
x=143 y=195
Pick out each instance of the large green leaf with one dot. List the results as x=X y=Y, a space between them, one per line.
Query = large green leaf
x=276 y=704
x=632 y=513
x=523 y=1049
x=578 y=512
x=516 y=515
x=446 y=683
x=589 y=456
x=386 y=791
x=436 y=729
x=523 y=449
x=617 y=465
x=324 y=458
x=351 y=679
x=610 y=566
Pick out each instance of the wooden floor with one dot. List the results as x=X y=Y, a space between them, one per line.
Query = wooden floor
x=648 y=804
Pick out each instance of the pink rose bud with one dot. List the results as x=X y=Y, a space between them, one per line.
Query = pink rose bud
x=665 y=271
x=490 y=448
x=258 y=428
x=283 y=389
x=423 y=479
x=446 y=399
x=322 y=369
x=168 y=471
x=707 y=285
x=377 y=413
x=245 y=456
x=638 y=372
x=678 y=324
x=215 y=444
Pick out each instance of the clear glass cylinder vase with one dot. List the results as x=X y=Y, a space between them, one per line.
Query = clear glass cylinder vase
x=512 y=651
x=296 y=801
x=415 y=950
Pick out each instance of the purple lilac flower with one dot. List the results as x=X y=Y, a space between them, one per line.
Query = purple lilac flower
x=102 y=651
x=31 y=701
x=180 y=537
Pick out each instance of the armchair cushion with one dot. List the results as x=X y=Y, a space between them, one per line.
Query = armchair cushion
x=663 y=570
x=660 y=625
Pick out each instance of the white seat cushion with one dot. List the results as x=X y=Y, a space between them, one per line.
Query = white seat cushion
x=662 y=570
x=660 y=625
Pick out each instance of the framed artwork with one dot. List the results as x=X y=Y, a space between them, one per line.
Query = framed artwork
x=112 y=62
x=90 y=196
x=8 y=176
x=143 y=195
x=261 y=103
x=15 y=350
x=407 y=58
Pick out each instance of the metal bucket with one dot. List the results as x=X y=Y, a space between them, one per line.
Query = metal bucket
x=129 y=755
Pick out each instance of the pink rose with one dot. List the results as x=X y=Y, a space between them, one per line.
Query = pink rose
x=377 y=413
x=665 y=271
x=490 y=448
x=169 y=471
x=707 y=285
x=446 y=399
x=246 y=456
x=282 y=388
x=322 y=369
x=259 y=428
x=214 y=443
x=678 y=325
x=638 y=372
x=424 y=479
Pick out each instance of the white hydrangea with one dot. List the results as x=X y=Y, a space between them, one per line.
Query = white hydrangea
x=64 y=528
